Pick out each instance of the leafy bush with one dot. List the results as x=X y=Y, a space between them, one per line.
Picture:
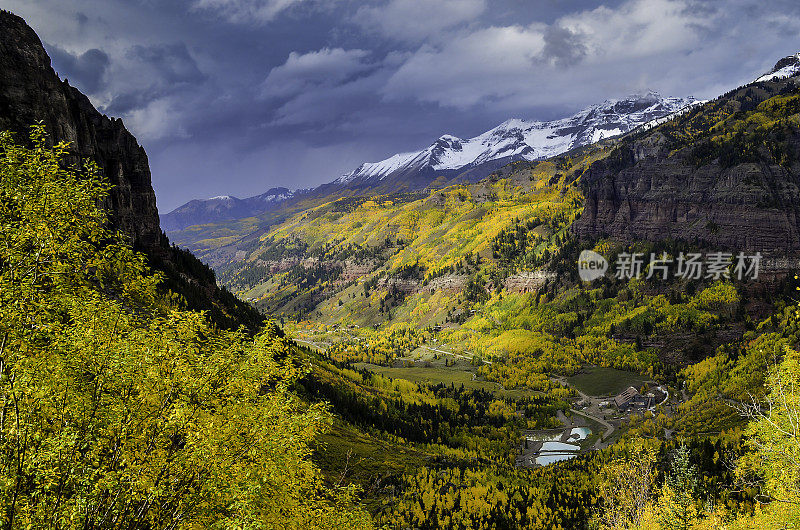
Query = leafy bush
x=117 y=410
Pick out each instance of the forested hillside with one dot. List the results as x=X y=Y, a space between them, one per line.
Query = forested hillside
x=433 y=357
x=476 y=287
x=117 y=408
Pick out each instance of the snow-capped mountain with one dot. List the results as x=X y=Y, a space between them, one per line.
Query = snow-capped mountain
x=518 y=139
x=453 y=158
x=223 y=208
x=786 y=67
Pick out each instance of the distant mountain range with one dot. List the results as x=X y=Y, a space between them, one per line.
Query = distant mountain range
x=451 y=158
x=224 y=207
x=517 y=139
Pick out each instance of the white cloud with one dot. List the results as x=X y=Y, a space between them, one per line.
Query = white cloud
x=416 y=20
x=326 y=67
x=636 y=28
x=247 y=11
x=157 y=119
x=560 y=63
x=470 y=67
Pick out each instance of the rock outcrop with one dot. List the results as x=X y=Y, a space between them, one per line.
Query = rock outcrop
x=653 y=188
x=528 y=281
x=660 y=199
x=31 y=91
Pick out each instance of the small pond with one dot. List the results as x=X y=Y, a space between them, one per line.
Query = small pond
x=550 y=458
x=544 y=437
x=555 y=452
x=579 y=433
x=557 y=446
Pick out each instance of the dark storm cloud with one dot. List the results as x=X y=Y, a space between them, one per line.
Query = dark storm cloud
x=157 y=88
x=562 y=46
x=127 y=102
x=161 y=72
x=237 y=96
x=171 y=62
x=86 y=69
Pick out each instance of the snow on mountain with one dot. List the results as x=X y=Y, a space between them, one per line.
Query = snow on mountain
x=391 y=164
x=786 y=67
x=276 y=195
x=518 y=139
x=663 y=119
x=272 y=195
x=514 y=139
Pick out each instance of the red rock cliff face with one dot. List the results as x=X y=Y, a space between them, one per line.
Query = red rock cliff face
x=30 y=91
x=649 y=190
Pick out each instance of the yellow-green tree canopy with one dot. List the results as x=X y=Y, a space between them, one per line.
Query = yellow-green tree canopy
x=115 y=408
x=773 y=464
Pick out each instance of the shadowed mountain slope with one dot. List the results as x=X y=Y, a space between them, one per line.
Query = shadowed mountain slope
x=31 y=91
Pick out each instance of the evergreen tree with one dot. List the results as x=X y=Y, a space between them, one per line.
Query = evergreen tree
x=677 y=510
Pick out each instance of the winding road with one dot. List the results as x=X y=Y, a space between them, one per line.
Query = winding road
x=456 y=355
x=599 y=444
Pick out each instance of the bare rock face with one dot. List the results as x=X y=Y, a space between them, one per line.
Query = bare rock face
x=528 y=281
x=646 y=192
x=31 y=91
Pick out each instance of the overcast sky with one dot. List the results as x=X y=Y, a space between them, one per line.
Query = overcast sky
x=237 y=96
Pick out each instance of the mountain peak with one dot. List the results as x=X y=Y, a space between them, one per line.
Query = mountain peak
x=786 y=67
x=650 y=95
x=520 y=139
x=225 y=207
x=512 y=123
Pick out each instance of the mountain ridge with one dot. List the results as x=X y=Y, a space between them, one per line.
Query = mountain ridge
x=726 y=175
x=453 y=158
x=523 y=139
x=224 y=207
x=31 y=92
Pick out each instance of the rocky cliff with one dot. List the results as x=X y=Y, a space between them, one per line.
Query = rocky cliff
x=31 y=91
x=725 y=175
